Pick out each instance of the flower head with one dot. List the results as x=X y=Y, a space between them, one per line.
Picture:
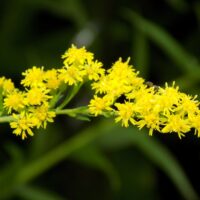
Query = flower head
x=23 y=125
x=94 y=70
x=14 y=101
x=37 y=96
x=52 y=81
x=72 y=75
x=77 y=56
x=8 y=86
x=125 y=113
x=97 y=105
x=42 y=115
x=33 y=77
x=176 y=123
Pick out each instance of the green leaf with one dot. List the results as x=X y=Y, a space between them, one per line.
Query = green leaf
x=178 y=5
x=71 y=9
x=140 y=53
x=8 y=170
x=115 y=137
x=35 y=168
x=136 y=173
x=34 y=193
x=71 y=92
x=44 y=140
x=92 y=156
x=186 y=62
x=155 y=151
x=82 y=117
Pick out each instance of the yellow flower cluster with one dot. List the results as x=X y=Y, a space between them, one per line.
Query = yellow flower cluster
x=29 y=108
x=79 y=65
x=36 y=104
x=119 y=93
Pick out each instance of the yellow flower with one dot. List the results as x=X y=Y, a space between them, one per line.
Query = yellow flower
x=42 y=114
x=189 y=105
x=37 y=96
x=101 y=86
x=120 y=79
x=33 y=77
x=52 y=80
x=150 y=120
x=176 y=123
x=169 y=97
x=195 y=123
x=8 y=86
x=72 y=75
x=139 y=91
x=94 y=70
x=97 y=105
x=122 y=69
x=77 y=56
x=22 y=125
x=125 y=113
x=14 y=101
x=2 y=81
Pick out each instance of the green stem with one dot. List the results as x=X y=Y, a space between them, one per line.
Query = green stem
x=35 y=168
x=69 y=97
x=6 y=119
x=54 y=100
x=73 y=111
x=57 y=96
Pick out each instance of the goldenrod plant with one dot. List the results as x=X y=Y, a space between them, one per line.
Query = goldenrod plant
x=119 y=93
x=80 y=126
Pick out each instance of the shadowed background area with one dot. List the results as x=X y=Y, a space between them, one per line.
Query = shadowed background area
x=99 y=160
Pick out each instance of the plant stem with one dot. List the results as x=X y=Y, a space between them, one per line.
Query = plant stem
x=37 y=167
x=73 y=111
x=69 y=97
x=6 y=119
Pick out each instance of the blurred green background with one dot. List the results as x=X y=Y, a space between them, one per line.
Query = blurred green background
x=99 y=160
